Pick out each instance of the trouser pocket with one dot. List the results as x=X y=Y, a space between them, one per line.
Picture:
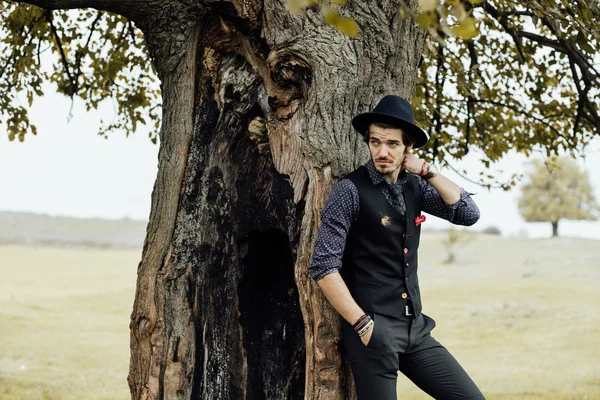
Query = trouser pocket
x=377 y=331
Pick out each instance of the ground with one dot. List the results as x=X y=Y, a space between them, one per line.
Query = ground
x=521 y=315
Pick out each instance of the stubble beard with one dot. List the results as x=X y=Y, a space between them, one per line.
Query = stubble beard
x=387 y=170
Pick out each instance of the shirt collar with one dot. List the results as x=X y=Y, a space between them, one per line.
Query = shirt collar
x=377 y=178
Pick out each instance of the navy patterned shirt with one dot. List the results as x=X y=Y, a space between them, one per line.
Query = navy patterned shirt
x=342 y=209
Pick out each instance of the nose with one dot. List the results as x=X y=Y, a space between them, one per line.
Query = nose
x=383 y=151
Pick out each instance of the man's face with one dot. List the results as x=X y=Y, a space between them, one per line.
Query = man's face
x=387 y=150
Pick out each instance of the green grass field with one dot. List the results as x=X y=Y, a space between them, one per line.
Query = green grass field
x=64 y=316
x=522 y=316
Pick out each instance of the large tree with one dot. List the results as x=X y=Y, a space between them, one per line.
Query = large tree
x=557 y=189
x=256 y=103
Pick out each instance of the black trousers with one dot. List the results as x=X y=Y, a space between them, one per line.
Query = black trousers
x=405 y=344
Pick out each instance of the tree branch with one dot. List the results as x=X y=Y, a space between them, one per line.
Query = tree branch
x=563 y=47
x=502 y=20
x=544 y=41
x=80 y=53
x=472 y=68
x=135 y=10
x=488 y=186
x=61 y=50
x=519 y=111
x=107 y=5
x=37 y=50
x=513 y=13
x=131 y=31
x=67 y=4
x=584 y=101
x=439 y=87
x=475 y=61
x=589 y=74
x=582 y=62
x=468 y=130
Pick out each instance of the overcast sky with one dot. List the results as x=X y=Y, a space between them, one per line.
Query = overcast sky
x=68 y=170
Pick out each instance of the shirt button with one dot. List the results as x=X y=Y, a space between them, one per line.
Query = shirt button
x=404 y=295
x=405 y=250
x=407 y=264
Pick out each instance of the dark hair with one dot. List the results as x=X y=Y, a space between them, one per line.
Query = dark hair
x=406 y=138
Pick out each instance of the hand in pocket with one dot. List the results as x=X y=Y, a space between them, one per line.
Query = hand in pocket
x=367 y=336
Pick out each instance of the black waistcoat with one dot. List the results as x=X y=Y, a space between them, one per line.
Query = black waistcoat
x=380 y=257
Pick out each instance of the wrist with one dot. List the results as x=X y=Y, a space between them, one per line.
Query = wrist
x=424 y=168
x=431 y=172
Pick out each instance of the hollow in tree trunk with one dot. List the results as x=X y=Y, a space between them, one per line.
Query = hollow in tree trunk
x=256 y=130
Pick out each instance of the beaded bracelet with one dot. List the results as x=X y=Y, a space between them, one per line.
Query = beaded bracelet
x=363 y=318
x=366 y=328
x=363 y=325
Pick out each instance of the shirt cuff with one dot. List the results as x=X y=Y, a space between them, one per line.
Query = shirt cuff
x=324 y=272
x=464 y=195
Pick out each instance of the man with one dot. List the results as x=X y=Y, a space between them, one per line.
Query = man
x=365 y=259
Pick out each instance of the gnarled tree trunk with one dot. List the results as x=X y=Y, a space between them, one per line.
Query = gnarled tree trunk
x=256 y=129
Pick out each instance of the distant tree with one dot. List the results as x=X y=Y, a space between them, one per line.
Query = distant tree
x=454 y=240
x=557 y=190
x=492 y=230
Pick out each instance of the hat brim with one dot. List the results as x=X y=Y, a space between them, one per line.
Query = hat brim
x=362 y=121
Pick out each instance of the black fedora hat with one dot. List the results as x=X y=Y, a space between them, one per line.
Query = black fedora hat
x=396 y=111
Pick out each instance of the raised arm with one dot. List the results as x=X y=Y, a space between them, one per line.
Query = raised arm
x=442 y=197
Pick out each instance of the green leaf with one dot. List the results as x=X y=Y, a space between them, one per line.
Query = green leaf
x=583 y=42
x=348 y=26
x=459 y=12
x=428 y=5
x=427 y=19
x=298 y=6
x=330 y=16
x=466 y=30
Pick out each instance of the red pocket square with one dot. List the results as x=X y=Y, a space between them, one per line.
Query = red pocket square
x=419 y=220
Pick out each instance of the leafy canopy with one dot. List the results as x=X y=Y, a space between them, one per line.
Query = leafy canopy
x=496 y=75
x=557 y=189
x=528 y=78
x=96 y=56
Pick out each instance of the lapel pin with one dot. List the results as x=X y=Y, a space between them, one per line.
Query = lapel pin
x=385 y=220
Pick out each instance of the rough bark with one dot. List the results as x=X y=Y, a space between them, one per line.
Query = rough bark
x=555 y=229
x=256 y=129
x=160 y=362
